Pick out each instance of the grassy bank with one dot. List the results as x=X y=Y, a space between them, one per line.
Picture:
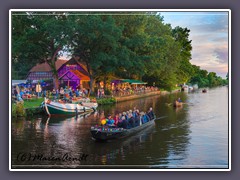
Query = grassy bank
x=27 y=108
x=33 y=103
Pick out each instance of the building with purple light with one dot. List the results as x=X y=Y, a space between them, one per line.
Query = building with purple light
x=71 y=73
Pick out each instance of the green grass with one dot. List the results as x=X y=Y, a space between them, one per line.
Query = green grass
x=33 y=103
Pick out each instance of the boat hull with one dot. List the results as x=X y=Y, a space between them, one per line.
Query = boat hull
x=55 y=108
x=108 y=135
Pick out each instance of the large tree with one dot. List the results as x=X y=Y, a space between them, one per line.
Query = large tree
x=39 y=37
x=185 y=70
x=95 y=39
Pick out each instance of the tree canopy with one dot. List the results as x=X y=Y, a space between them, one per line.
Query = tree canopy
x=130 y=45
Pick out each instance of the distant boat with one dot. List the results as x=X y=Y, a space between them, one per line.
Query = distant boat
x=185 y=88
x=195 y=87
x=190 y=88
x=177 y=104
x=58 y=108
x=204 y=90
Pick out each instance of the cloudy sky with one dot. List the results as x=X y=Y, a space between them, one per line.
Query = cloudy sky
x=209 y=35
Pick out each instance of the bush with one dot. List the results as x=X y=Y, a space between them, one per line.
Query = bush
x=18 y=110
x=106 y=101
x=33 y=111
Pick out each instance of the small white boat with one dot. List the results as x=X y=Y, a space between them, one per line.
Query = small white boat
x=59 y=108
x=185 y=88
x=190 y=88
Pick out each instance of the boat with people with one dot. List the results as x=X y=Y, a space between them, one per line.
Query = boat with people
x=204 y=90
x=61 y=108
x=177 y=104
x=110 y=130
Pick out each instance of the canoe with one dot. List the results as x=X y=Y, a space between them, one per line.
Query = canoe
x=104 y=133
x=177 y=104
x=57 y=108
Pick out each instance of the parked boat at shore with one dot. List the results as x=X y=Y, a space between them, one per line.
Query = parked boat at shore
x=184 y=88
x=61 y=108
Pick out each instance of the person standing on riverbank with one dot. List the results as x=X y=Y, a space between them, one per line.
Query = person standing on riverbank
x=38 y=89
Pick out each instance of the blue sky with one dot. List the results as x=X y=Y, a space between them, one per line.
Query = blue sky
x=209 y=35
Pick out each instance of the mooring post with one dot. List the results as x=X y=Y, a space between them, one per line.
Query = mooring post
x=76 y=110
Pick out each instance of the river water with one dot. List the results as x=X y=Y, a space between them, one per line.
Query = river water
x=194 y=136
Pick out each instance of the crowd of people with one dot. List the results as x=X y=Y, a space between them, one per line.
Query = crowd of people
x=129 y=119
x=61 y=93
x=69 y=93
x=121 y=91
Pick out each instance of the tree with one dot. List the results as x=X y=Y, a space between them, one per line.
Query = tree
x=39 y=38
x=185 y=70
x=95 y=40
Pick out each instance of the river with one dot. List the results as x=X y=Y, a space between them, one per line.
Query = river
x=194 y=136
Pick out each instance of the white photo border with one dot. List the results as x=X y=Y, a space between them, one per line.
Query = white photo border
x=121 y=10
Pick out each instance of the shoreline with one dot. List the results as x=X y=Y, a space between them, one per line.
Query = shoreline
x=131 y=97
x=30 y=111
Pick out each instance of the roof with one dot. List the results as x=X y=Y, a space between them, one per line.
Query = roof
x=73 y=61
x=16 y=82
x=44 y=67
x=131 y=81
x=77 y=73
x=80 y=75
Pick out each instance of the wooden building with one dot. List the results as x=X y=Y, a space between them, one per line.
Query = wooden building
x=70 y=73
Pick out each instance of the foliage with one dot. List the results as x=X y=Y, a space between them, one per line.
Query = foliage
x=33 y=111
x=38 y=38
x=104 y=101
x=206 y=79
x=129 y=46
x=18 y=109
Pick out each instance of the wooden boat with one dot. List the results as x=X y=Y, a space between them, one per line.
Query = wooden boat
x=57 y=108
x=177 y=104
x=104 y=133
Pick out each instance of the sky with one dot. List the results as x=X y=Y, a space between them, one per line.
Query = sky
x=209 y=35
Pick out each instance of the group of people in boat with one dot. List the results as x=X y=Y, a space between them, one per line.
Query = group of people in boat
x=129 y=119
x=178 y=102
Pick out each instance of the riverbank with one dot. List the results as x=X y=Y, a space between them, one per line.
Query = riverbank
x=136 y=96
x=32 y=107
x=27 y=108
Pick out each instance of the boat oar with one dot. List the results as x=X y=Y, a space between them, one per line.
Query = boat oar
x=161 y=117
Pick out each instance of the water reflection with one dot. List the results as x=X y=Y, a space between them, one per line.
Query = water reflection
x=170 y=142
